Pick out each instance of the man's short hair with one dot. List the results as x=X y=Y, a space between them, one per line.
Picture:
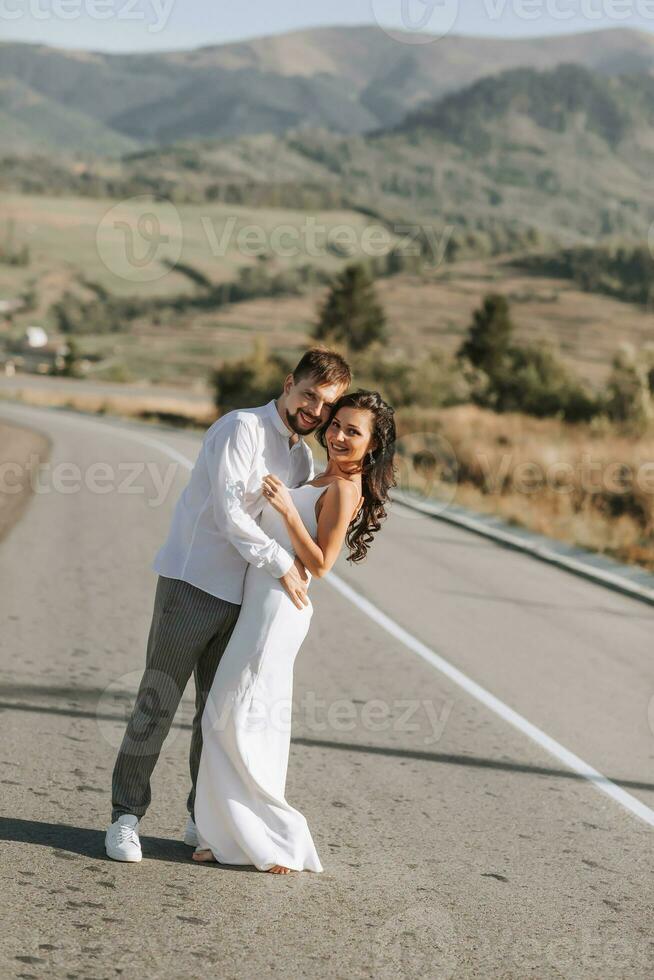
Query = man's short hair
x=328 y=367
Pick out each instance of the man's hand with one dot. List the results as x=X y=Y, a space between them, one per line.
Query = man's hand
x=296 y=583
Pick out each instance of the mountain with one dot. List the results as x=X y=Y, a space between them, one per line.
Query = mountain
x=347 y=80
x=244 y=101
x=476 y=117
x=37 y=123
x=566 y=153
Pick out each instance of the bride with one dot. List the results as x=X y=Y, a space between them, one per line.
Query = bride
x=241 y=812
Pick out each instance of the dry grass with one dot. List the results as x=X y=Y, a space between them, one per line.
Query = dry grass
x=175 y=410
x=588 y=485
x=586 y=328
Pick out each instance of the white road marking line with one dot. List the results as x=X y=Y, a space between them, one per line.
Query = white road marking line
x=537 y=735
x=480 y=693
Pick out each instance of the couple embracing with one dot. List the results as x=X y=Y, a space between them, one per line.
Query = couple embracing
x=252 y=527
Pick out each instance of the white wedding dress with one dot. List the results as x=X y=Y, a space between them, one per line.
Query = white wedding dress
x=240 y=809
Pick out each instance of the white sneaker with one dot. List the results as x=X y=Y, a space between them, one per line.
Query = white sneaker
x=122 y=840
x=191 y=833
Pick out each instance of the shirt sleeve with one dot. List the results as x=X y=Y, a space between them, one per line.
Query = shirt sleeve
x=231 y=457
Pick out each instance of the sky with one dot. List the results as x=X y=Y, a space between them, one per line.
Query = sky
x=155 y=25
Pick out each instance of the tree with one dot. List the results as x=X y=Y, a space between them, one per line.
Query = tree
x=252 y=381
x=489 y=338
x=526 y=378
x=351 y=313
x=68 y=366
x=628 y=397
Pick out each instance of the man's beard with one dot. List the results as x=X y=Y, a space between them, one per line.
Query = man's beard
x=299 y=427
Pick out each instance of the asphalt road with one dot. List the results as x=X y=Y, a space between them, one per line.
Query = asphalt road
x=454 y=845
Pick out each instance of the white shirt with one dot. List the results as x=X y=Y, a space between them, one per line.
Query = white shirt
x=214 y=532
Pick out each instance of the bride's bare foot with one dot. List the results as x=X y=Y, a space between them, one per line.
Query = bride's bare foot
x=206 y=856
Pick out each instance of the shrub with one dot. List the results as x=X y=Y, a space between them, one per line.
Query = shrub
x=434 y=381
x=518 y=378
x=251 y=381
x=536 y=382
x=629 y=388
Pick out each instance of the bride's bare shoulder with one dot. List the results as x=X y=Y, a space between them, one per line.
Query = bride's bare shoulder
x=342 y=485
x=345 y=492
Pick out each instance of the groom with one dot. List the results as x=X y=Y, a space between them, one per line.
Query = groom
x=213 y=536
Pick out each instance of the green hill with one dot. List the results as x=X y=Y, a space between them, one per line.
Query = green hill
x=560 y=100
x=524 y=157
x=348 y=80
x=33 y=123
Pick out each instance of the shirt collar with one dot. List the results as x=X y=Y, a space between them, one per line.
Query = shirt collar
x=277 y=420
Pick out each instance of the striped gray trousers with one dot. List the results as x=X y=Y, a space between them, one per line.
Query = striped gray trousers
x=189 y=632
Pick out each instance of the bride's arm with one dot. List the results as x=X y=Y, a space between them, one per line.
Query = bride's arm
x=339 y=503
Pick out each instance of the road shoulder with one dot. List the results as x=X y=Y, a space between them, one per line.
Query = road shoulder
x=22 y=450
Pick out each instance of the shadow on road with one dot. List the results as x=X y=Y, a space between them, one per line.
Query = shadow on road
x=443 y=758
x=46 y=709
x=66 y=840
x=479 y=762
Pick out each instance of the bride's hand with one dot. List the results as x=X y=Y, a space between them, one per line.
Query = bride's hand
x=276 y=493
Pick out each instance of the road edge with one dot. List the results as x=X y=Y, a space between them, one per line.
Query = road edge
x=628 y=579
x=40 y=448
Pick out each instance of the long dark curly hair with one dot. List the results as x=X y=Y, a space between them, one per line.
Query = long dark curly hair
x=377 y=472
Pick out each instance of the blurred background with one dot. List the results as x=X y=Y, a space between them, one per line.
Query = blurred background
x=458 y=196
